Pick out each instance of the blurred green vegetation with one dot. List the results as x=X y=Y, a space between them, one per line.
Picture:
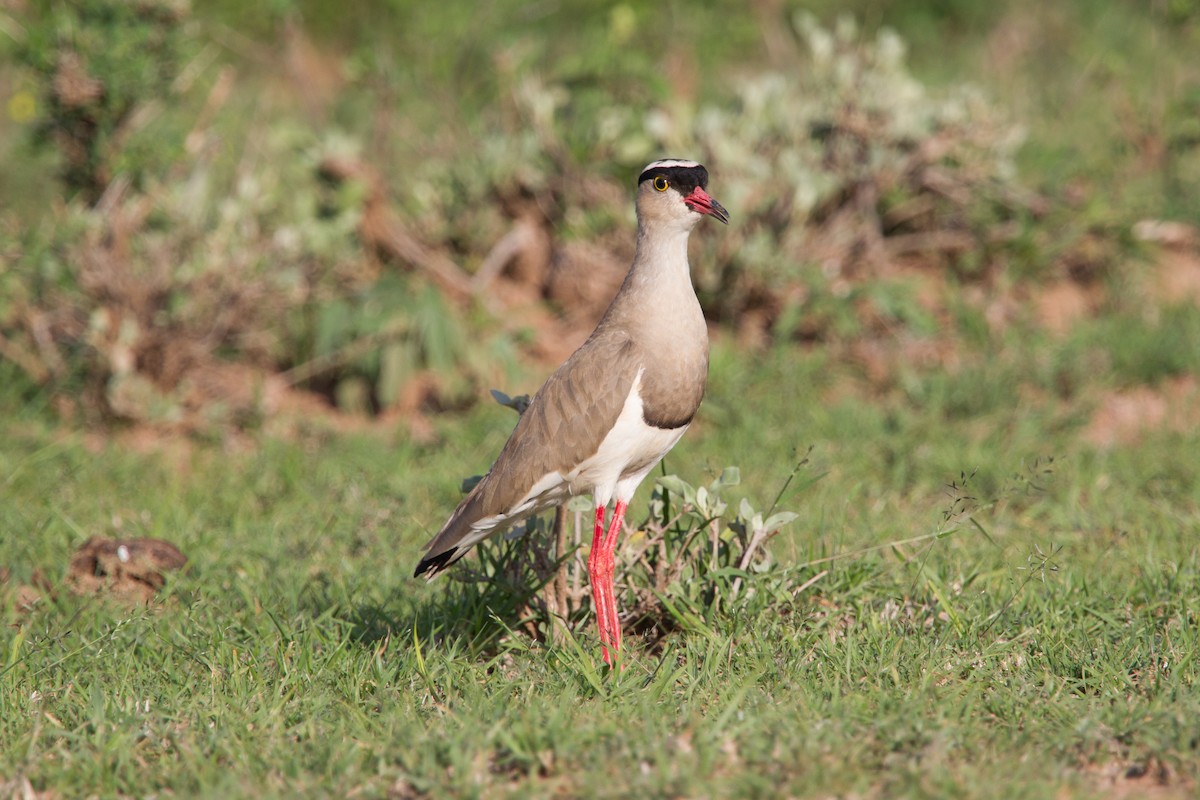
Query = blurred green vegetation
x=935 y=279
x=97 y=64
x=1096 y=82
x=293 y=146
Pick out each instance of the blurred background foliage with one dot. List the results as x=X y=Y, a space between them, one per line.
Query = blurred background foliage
x=397 y=204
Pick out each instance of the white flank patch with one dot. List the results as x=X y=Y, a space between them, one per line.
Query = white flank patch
x=627 y=454
x=619 y=465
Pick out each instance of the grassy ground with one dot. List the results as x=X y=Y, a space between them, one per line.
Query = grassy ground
x=1044 y=645
x=1049 y=650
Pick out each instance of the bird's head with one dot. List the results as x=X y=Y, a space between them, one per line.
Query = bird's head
x=672 y=191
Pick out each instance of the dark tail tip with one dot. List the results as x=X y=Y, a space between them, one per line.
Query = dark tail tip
x=435 y=564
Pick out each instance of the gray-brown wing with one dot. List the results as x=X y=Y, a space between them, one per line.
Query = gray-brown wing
x=563 y=425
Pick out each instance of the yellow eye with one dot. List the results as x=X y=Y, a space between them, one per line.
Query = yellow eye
x=660 y=183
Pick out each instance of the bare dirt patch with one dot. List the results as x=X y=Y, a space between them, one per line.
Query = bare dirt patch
x=1150 y=778
x=1063 y=304
x=1125 y=416
x=1177 y=276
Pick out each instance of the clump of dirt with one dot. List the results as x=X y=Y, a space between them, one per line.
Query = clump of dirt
x=131 y=571
x=26 y=595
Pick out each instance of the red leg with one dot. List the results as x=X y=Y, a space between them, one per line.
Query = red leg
x=613 y=622
x=600 y=587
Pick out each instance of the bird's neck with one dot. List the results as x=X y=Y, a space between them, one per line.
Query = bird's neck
x=661 y=258
x=657 y=299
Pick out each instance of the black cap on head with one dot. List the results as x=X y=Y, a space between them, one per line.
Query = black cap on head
x=683 y=175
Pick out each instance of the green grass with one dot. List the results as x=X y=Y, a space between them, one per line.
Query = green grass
x=1044 y=646
x=1030 y=655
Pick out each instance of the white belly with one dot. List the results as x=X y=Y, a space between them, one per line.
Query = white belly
x=627 y=454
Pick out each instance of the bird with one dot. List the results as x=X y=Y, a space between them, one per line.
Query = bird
x=616 y=406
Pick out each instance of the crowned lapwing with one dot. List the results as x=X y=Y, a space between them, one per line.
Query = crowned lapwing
x=616 y=406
